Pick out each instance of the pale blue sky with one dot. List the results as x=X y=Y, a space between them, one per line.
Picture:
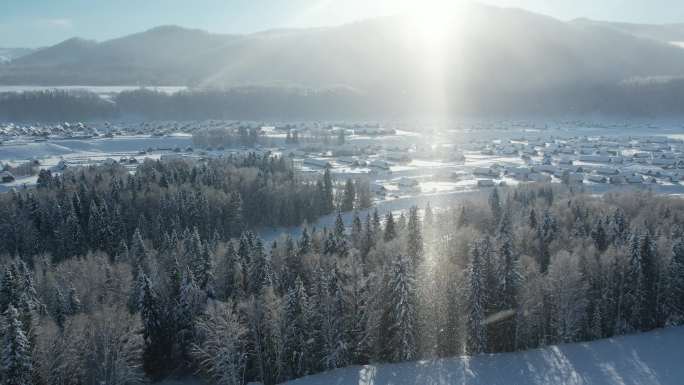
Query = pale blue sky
x=33 y=23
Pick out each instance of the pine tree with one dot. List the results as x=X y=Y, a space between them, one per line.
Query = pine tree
x=414 y=247
x=356 y=231
x=634 y=286
x=335 y=347
x=191 y=303
x=650 y=298
x=16 y=360
x=368 y=238
x=510 y=284
x=401 y=312
x=532 y=221
x=327 y=192
x=349 y=196
x=138 y=253
x=364 y=198
x=357 y=298
x=676 y=286
x=205 y=270
x=136 y=294
x=10 y=288
x=599 y=235
x=157 y=350
x=495 y=205
x=297 y=329
x=340 y=245
x=60 y=309
x=390 y=230
x=257 y=269
x=273 y=335
x=476 y=327
x=304 y=242
x=377 y=223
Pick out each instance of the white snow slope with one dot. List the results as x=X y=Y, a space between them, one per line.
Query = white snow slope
x=653 y=358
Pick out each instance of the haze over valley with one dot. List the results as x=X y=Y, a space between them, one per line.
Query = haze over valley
x=474 y=59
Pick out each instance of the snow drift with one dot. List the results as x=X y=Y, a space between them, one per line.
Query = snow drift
x=652 y=358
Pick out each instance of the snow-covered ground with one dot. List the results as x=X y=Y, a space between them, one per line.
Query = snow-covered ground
x=102 y=91
x=652 y=358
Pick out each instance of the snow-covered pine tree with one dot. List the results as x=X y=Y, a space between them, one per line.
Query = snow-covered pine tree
x=414 y=247
x=368 y=238
x=349 y=196
x=400 y=305
x=297 y=331
x=16 y=361
x=335 y=346
x=495 y=205
x=633 y=286
x=340 y=236
x=390 y=228
x=10 y=289
x=157 y=349
x=356 y=231
x=532 y=220
x=204 y=270
x=476 y=327
x=191 y=304
x=273 y=343
x=138 y=253
x=257 y=268
x=328 y=192
x=357 y=298
x=60 y=310
x=510 y=283
x=304 y=244
x=650 y=273
x=676 y=283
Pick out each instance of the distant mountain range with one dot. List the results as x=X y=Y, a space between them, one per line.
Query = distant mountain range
x=9 y=54
x=667 y=33
x=491 y=54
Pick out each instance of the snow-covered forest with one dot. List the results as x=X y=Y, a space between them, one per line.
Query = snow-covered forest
x=113 y=278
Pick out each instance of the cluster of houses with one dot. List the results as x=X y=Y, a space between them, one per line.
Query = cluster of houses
x=66 y=130
x=617 y=160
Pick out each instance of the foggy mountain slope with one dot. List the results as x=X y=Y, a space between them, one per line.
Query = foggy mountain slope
x=661 y=32
x=646 y=358
x=487 y=59
x=509 y=47
x=9 y=54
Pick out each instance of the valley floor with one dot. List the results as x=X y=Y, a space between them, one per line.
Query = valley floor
x=653 y=358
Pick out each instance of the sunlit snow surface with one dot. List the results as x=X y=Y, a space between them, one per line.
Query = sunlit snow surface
x=652 y=358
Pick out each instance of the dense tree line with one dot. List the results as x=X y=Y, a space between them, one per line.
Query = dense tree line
x=54 y=106
x=99 y=207
x=521 y=268
x=227 y=137
x=630 y=98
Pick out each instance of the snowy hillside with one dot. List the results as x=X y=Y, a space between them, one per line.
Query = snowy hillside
x=652 y=358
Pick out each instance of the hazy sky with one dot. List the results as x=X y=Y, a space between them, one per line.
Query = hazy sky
x=32 y=23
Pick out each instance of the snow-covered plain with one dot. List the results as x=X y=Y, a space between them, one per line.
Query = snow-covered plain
x=653 y=358
x=102 y=91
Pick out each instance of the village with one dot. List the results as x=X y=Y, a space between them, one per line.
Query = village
x=397 y=162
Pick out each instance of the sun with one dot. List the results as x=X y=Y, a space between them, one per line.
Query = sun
x=434 y=21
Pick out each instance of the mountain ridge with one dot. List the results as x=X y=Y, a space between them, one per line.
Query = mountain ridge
x=368 y=54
